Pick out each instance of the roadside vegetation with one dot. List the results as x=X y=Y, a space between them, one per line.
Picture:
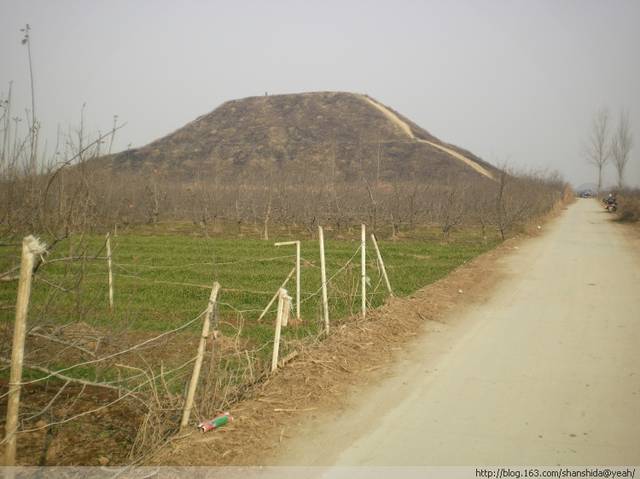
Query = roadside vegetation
x=629 y=205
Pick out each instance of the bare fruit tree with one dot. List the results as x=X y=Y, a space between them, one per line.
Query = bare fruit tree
x=621 y=145
x=450 y=208
x=598 y=147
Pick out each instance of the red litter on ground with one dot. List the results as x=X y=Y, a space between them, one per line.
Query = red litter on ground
x=216 y=422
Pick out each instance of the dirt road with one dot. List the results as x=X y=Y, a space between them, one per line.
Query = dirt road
x=546 y=371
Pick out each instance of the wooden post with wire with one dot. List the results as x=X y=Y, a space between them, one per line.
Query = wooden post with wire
x=282 y=294
x=286 y=309
x=193 y=384
x=323 y=276
x=297 y=243
x=298 y=286
x=108 y=242
x=381 y=263
x=31 y=248
x=363 y=268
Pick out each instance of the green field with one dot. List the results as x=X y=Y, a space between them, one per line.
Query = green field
x=161 y=281
x=164 y=280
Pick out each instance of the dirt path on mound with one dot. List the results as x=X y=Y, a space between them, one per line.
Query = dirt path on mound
x=407 y=130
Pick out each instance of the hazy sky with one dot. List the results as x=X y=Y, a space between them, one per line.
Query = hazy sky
x=515 y=81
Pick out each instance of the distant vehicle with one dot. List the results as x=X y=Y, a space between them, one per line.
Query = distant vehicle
x=586 y=190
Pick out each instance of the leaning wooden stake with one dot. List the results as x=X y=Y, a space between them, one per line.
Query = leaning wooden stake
x=31 y=248
x=276 y=338
x=323 y=278
x=363 y=268
x=275 y=296
x=110 y=272
x=193 y=384
x=381 y=263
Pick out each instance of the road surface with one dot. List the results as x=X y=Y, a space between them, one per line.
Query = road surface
x=546 y=371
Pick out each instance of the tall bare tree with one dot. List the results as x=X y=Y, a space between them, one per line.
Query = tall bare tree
x=598 y=148
x=26 y=40
x=621 y=145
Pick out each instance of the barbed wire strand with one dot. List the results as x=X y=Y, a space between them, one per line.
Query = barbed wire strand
x=206 y=263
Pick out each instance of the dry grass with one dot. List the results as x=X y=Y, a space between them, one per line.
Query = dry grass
x=629 y=206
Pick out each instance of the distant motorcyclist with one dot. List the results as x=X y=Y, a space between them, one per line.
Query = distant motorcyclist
x=611 y=202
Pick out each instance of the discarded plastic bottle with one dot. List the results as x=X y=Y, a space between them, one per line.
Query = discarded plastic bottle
x=216 y=422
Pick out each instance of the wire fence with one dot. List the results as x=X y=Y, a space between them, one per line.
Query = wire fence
x=76 y=344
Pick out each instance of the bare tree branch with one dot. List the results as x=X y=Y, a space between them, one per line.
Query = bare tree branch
x=598 y=148
x=621 y=145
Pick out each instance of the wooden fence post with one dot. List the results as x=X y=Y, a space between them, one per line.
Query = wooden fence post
x=110 y=272
x=363 y=268
x=276 y=338
x=297 y=243
x=298 y=279
x=31 y=248
x=323 y=275
x=286 y=309
x=193 y=384
x=381 y=263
